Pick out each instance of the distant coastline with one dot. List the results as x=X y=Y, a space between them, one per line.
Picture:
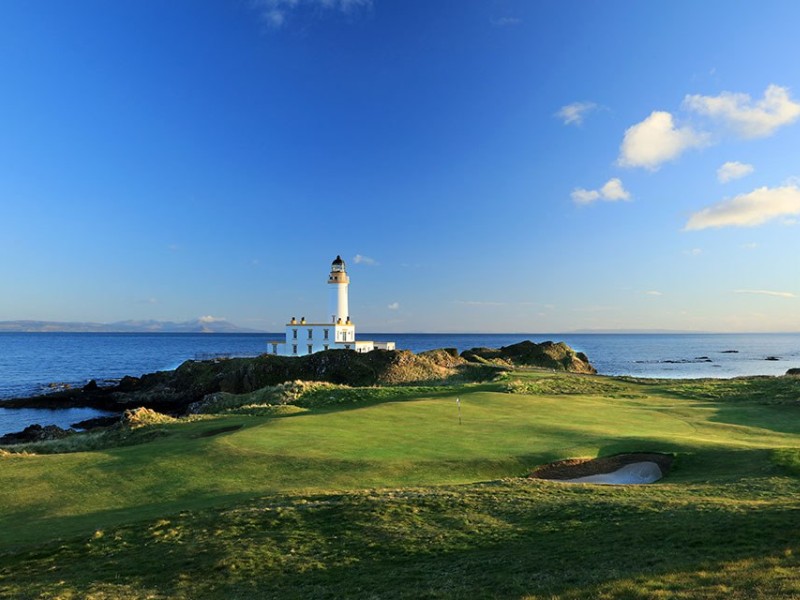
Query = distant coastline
x=201 y=325
x=215 y=325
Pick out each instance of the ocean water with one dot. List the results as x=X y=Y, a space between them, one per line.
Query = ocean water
x=34 y=363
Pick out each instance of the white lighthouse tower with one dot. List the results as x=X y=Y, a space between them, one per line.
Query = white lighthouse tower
x=337 y=295
x=337 y=332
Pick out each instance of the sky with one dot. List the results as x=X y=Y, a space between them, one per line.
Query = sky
x=481 y=165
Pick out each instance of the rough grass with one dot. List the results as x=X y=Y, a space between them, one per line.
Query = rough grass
x=533 y=383
x=764 y=390
x=89 y=441
x=381 y=492
x=306 y=395
x=507 y=539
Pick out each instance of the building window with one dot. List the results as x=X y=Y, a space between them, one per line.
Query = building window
x=325 y=346
x=310 y=348
x=347 y=346
x=325 y=331
x=310 y=333
x=294 y=333
x=274 y=348
x=294 y=348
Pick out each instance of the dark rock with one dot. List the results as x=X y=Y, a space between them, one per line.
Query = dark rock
x=730 y=352
x=96 y=422
x=34 y=433
x=795 y=371
x=90 y=387
x=772 y=358
x=128 y=383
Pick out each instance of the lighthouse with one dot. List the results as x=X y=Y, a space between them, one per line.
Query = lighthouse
x=335 y=332
x=337 y=294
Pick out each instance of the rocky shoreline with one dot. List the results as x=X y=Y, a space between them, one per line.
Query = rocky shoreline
x=172 y=392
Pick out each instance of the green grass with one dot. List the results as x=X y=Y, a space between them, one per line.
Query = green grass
x=380 y=492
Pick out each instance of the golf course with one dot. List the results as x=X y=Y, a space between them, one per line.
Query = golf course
x=418 y=492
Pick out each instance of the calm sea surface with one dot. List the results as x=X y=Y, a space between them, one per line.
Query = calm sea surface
x=31 y=362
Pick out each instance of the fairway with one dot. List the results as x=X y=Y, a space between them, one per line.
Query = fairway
x=730 y=455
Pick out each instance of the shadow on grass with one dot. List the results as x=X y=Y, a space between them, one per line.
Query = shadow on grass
x=771 y=403
x=778 y=418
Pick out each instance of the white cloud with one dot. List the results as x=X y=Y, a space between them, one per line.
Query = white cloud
x=360 y=259
x=733 y=170
x=747 y=118
x=276 y=12
x=766 y=293
x=573 y=114
x=210 y=319
x=750 y=246
x=394 y=306
x=656 y=140
x=749 y=210
x=582 y=196
x=693 y=252
x=653 y=293
x=611 y=191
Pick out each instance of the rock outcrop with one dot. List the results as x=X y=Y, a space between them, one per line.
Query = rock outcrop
x=547 y=355
x=171 y=392
x=35 y=433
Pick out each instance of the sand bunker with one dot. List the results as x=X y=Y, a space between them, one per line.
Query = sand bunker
x=620 y=469
x=633 y=474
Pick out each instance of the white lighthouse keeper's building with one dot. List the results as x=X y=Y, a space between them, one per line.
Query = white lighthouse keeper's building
x=338 y=333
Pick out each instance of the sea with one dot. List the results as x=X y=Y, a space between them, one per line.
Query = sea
x=38 y=363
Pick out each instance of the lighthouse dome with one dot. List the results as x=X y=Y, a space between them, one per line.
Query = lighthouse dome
x=337 y=264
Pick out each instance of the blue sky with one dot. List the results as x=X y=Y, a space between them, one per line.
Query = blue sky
x=497 y=165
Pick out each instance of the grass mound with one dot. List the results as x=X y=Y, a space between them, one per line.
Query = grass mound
x=293 y=397
x=267 y=397
x=546 y=384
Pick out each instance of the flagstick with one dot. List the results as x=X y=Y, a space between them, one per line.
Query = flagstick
x=458 y=404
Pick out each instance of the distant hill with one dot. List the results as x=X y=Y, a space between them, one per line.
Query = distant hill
x=637 y=331
x=201 y=325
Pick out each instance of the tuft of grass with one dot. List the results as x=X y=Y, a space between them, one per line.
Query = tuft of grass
x=140 y=417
